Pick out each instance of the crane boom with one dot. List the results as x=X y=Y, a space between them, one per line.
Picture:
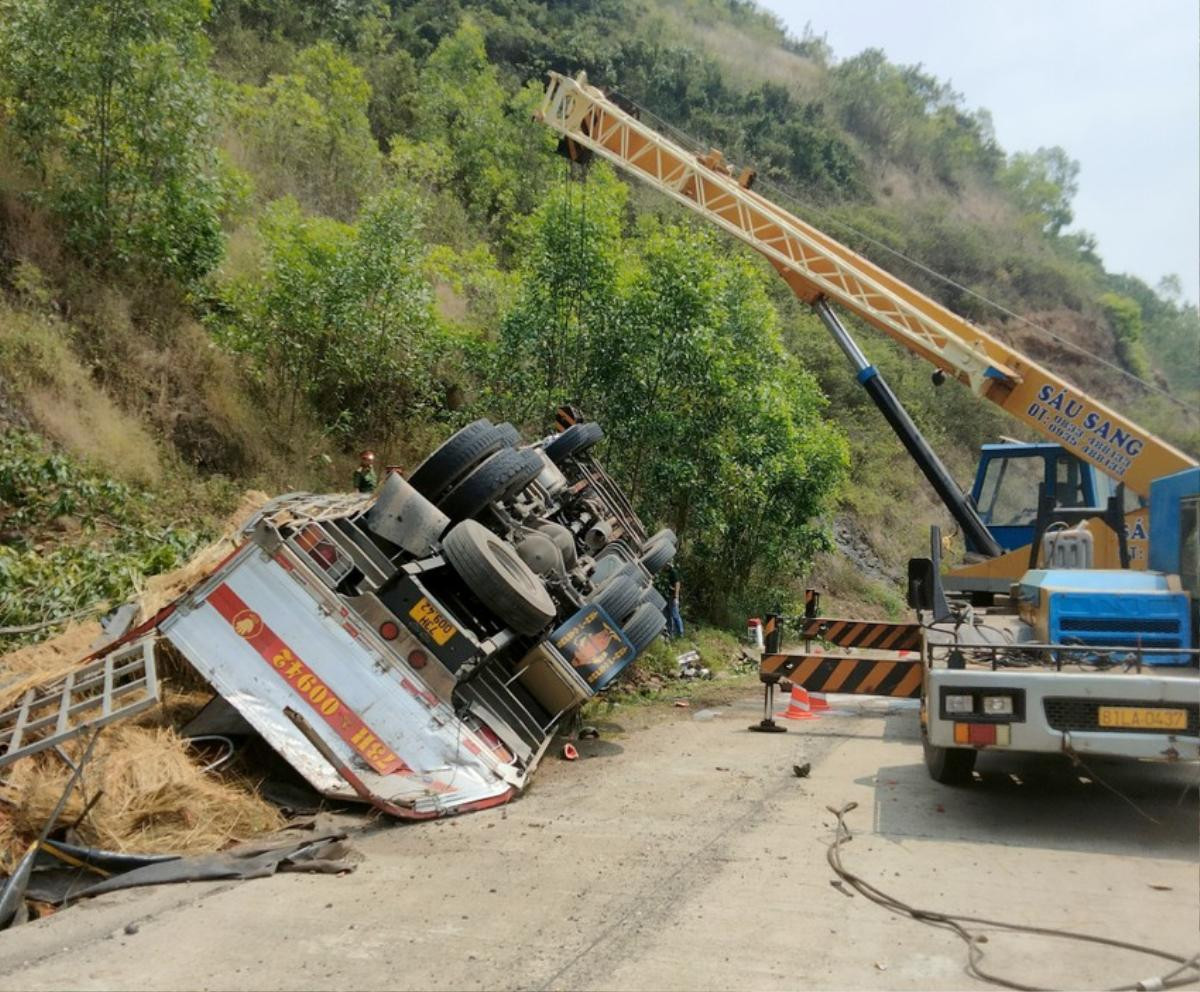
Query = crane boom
x=817 y=268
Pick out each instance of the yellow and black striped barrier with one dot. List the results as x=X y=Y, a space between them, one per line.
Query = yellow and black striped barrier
x=872 y=634
x=896 y=677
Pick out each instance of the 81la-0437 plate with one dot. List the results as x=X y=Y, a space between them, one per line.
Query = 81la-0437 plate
x=1142 y=718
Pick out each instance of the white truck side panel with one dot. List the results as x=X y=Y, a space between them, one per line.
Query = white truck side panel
x=447 y=765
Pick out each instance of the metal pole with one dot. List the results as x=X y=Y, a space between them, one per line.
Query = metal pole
x=772 y=641
x=927 y=460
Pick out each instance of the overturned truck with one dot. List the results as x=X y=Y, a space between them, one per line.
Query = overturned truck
x=418 y=647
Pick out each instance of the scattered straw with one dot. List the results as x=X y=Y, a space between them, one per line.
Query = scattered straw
x=155 y=797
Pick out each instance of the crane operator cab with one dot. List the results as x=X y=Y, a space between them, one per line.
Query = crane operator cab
x=1005 y=491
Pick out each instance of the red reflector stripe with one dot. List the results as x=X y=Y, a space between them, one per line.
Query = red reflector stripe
x=347 y=724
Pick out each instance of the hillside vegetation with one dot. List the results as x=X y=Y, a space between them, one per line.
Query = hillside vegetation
x=241 y=240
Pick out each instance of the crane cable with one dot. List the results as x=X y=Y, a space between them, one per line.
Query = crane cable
x=799 y=206
x=1187 y=969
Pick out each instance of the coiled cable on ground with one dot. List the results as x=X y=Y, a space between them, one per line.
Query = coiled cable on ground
x=1186 y=970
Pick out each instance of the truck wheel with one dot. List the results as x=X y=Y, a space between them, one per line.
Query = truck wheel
x=624 y=569
x=665 y=534
x=619 y=598
x=657 y=555
x=605 y=568
x=501 y=476
x=655 y=599
x=575 y=440
x=617 y=548
x=510 y=435
x=950 y=765
x=456 y=456
x=491 y=568
x=645 y=625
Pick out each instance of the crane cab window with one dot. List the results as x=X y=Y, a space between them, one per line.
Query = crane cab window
x=1069 y=489
x=1008 y=495
x=1007 y=482
x=1189 y=545
x=1006 y=485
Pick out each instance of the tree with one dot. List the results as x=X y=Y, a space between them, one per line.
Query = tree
x=1044 y=183
x=670 y=341
x=308 y=134
x=340 y=316
x=111 y=106
x=496 y=156
x=568 y=293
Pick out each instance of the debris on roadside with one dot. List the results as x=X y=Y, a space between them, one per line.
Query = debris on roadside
x=70 y=873
x=417 y=649
x=690 y=666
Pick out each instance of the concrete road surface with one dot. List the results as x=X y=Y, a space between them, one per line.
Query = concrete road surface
x=682 y=853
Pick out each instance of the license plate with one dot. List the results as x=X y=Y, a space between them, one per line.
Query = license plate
x=432 y=622
x=1142 y=718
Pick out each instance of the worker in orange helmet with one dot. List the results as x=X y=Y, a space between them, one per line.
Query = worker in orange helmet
x=365 y=479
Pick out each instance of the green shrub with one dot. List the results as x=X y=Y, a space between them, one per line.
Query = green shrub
x=340 y=316
x=1125 y=318
x=111 y=107
x=42 y=576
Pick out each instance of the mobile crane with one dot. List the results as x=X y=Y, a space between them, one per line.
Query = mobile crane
x=1092 y=450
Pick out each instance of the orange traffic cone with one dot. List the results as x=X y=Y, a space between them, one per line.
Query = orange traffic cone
x=798 y=706
x=817 y=702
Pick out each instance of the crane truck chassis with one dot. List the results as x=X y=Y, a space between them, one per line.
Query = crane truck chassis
x=986 y=681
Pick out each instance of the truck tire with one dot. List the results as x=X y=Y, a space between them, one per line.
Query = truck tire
x=575 y=440
x=627 y=570
x=665 y=534
x=655 y=599
x=657 y=556
x=500 y=477
x=453 y=458
x=605 y=568
x=510 y=435
x=491 y=568
x=619 y=598
x=950 y=765
x=644 y=626
x=617 y=548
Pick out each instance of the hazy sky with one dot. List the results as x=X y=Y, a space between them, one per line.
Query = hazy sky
x=1116 y=84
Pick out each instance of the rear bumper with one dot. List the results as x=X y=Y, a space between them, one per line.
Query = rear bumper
x=1059 y=711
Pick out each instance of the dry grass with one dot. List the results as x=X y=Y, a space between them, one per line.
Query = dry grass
x=154 y=797
x=243 y=254
x=66 y=405
x=751 y=62
x=451 y=306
